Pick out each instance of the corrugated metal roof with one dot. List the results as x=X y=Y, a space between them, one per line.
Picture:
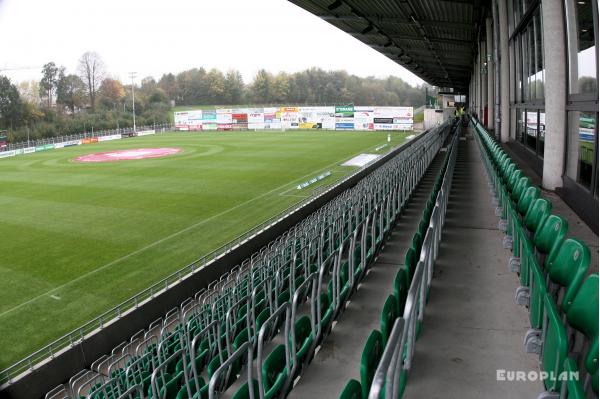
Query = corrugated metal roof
x=435 y=39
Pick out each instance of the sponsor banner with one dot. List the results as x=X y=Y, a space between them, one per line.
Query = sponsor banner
x=309 y=125
x=209 y=125
x=256 y=120
x=194 y=120
x=346 y=111
x=181 y=119
x=363 y=108
x=393 y=112
x=86 y=141
x=94 y=140
x=392 y=126
x=272 y=118
x=148 y=132
x=209 y=116
x=289 y=117
x=59 y=145
x=28 y=150
x=19 y=151
x=108 y=138
x=224 y=116
x=6 y=154
x=361 y=125
x=383 y=120
x=44 y=147
x=224 y=126
x=363 y=120
x=344 y=126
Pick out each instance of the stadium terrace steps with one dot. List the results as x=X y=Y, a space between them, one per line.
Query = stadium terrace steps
x=471 y=326
x=339 y=357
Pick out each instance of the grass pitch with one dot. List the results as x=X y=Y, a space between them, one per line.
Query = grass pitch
x=77 y=239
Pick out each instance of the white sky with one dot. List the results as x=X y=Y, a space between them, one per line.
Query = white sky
x=152 y=37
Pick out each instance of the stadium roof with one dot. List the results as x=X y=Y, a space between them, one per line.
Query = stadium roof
x=434 y=39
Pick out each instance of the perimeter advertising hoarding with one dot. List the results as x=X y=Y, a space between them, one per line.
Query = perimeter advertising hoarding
x=239 y=119
x=272 y=117
x=363 y=118
x=290 y=117
x=393 y=118
x=209 y=120
x=344 y=117
x=224 y=119
x=181 y=120
x=256 y=119
x=195 y=120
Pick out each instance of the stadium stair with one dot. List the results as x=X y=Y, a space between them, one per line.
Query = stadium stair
x=256 y=330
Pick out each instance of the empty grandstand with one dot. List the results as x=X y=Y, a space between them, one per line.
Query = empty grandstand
x=462 y=263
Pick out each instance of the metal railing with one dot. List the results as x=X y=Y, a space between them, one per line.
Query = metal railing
x=77 y=336
x=84 y=135
x=399 y=351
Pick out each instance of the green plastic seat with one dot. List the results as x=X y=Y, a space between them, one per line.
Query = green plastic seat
x=410 y=261
x=262 y=317
x=521 y=186
x=389 y=314
x=243 y=392
x=554 y=348
x=514 y=179
x=537 y=213
x=583 y=316
x=401 y=285
x=506 y=174
x=568 y=269
x=527 y=198
x=549 y=236
x=352 y=390
x=416 y=243
x=573 y=387
x=274 y=372
x=304 y=337
x=371 y=354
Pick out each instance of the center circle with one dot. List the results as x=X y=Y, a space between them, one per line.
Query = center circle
x=128 y=155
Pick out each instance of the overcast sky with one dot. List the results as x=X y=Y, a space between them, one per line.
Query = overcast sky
x=153 y=37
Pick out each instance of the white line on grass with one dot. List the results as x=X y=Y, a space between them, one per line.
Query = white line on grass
x=175 y=234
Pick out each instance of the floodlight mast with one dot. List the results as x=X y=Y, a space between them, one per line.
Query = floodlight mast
x=132 y=75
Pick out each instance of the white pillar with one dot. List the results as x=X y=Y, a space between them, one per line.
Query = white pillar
x=504 y=72
x=490 y=74
x=555 y=93
x=482 y=61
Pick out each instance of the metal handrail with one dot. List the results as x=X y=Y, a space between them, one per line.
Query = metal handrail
x=399 y=351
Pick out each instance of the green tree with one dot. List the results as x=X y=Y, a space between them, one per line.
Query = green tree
x=261 y=87
x=233 y=87
x=11 y=106
x=70 y=91
x=48 y=82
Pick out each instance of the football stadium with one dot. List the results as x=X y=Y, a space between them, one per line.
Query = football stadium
x=311 y=234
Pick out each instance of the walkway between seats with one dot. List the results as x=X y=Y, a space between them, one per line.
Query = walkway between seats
x=472 y=326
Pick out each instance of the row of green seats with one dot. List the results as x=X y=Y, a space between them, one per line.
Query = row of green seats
x=562 y=301
x=395 y=303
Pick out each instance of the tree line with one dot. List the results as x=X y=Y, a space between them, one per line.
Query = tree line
x=64 y=102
